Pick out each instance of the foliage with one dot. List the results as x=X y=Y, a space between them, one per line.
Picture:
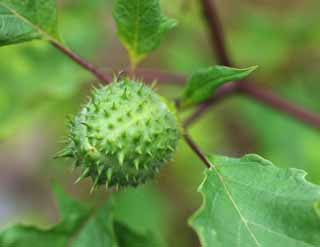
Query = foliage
x=79 y=226
x=249 y=202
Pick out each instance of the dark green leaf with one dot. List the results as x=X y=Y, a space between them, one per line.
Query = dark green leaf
x=202 y=84
x=250 y=202
x=26 y=20
x=141 y=26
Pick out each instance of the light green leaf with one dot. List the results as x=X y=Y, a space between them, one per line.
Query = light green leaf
x=202 y=84
x=141 y=26
x=25 y=20
x=249 y=202
x=80 y=226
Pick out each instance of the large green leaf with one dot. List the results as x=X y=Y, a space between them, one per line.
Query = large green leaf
x=80 y=226
x=202 y=84
x=25 y=20
x=249 y=202
x=141 y=26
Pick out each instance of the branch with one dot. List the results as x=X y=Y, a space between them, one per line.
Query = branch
x=221 y=93
x=250 y=89
x=83 y=63
x=197 y=150
x=148 y=75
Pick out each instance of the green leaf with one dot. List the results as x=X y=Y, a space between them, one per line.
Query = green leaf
x=250 y=202
x=80 y=226
x=133 y=208
x=27 y=20
x=127 y=237
x=202 y=84
x=73 y=216
x=141 y=26
x=97 y=230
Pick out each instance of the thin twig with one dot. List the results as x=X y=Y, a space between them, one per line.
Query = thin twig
x=197 y=150
x=148 y=75
x=83 y=63
x=221 y=93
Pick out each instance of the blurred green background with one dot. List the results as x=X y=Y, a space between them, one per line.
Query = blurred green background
x=39 y=87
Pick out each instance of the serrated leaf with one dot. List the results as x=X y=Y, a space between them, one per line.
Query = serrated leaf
x=80 y=226
x=141 y=26
x=249 y=202
x=202 y=84
x=27 y=20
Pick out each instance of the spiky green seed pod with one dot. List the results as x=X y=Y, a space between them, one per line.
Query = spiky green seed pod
x=123 y=135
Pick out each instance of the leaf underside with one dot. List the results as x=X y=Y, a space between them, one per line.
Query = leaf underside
x=248 y=202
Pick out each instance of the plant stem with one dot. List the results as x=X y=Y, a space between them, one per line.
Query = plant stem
x=197 y=150
x=83 y=63
x=148 y=75
x=216 y=31
x=221 y=93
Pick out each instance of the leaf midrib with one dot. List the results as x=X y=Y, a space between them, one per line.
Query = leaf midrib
x=242 y=218
x=137 y=28
x=260 y=225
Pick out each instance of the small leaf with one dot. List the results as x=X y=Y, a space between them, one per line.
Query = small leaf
x=27 y=20
x=250 y=202
x=202 y=84
x=141 y=26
